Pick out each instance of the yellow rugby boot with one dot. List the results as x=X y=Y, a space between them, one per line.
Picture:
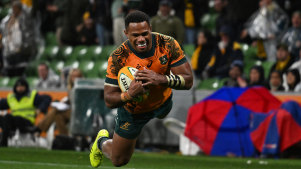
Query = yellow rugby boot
x=96 y=155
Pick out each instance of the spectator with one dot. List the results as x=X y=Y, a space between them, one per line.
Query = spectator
x=202 y=53
x=190 y=11
x=220 y=7
x=86 y=31
x=18 y=40
x=47 y=78
x=60 y=111
x=236 y=78
x=145 y=7
x=266 y=24
x=225 y=53
x=292 y=82
x=55 y=11
x=284 y=59
x=292 y=37
x=167 y=23
x=24 y=105
x=101 y=14
x=118 y=21
x=256 y=77
x=275 y=81
x=73 y=13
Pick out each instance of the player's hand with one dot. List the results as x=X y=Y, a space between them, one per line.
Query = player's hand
x=136 y=88
x=149 y=77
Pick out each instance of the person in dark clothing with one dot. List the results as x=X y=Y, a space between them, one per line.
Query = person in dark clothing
x=101 y=14
x=72 y=19
x=256 y=76
x=190 y=12
x=283 y=59
x=203 y=52
x=24 y=105
x=275 y=81
x=236 y=78
x=224 y=54
x=87 y=32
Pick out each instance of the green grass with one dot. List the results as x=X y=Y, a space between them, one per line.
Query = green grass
x=32 y=158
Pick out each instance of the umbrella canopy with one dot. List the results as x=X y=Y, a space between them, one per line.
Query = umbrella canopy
x=220 y=124
x=275 y=132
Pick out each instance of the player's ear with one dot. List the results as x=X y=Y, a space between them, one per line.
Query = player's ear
x=125 y=32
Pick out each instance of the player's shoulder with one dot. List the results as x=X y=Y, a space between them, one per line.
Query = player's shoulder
x=161 y=38
x=164 y=41
x=121 y=51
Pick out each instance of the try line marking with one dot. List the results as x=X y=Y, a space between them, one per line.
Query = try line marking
x=53 y=164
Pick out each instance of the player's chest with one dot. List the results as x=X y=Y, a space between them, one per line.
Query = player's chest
x=158 y=63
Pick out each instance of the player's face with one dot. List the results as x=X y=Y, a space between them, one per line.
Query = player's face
x=139 y=35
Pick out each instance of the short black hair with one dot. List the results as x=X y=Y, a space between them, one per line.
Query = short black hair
x=136 y=17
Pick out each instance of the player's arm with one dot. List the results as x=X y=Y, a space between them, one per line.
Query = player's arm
x=181 y=77
x=115 y=98
x=180 y=74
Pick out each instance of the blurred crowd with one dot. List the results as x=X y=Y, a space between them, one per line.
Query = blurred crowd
x=218 y=30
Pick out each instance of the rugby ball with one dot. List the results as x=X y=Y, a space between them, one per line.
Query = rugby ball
x=125 y=77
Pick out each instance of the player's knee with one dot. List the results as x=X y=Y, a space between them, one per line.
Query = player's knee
x=120 y=161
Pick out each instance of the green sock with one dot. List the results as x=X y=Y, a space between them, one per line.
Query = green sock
x=100 y=141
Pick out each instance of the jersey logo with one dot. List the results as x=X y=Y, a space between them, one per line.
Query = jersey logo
x=125 y=126
x=163 y=60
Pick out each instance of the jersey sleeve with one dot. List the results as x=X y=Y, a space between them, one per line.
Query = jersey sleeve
x=176 y=54
x=111 y=77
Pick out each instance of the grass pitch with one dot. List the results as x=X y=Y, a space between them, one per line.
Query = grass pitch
x=33 y=158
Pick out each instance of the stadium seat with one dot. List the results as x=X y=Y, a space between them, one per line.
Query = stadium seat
x=66 y=53
x=32 y=81
x=267 y=65
x=57 y=66
x=188 y=50
x=249 y=52
x=211 y=84
x=94 y=52
x=101 y=68
x=106 y=51
x=208 y=21
x=72 y=63
x=88 y=68
x=50 y=39
x=81 y=53
x=50 y=53
x=4 y=81
x=12 y=81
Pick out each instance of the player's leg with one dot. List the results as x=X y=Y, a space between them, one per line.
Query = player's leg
x=121 y=147
x=118 y=149
x=96 y=155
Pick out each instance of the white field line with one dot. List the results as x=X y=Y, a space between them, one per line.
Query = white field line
x=53 y=164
